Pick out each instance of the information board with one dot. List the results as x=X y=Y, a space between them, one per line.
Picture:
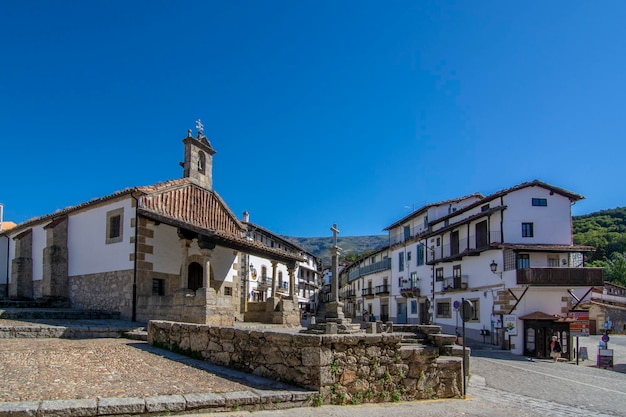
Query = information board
x=580 y=325
x=605 y=358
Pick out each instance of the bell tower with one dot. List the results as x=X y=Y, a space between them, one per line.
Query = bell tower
x=198 y=164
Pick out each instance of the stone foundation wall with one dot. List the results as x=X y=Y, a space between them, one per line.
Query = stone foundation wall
x=274 y=311
x=343 y=368
x=111 y=291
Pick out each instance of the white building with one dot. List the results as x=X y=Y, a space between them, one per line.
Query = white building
x=172 y=250
x=365 y=287
x=511 y=254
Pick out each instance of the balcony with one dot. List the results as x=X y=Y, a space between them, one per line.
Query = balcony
x=358 y=272
x=368 y=292
x=348 y=294
x=382 y=289
x=409 y=289
x=471 y=246
x=561 y=277
x=455 y=283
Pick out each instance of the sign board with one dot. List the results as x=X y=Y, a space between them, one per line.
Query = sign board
x=510 y=325
x=605 y=358
x=580 y=325
x=605 y=338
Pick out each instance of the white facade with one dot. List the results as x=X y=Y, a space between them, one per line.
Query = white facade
x=445 y=252
x=87 y=241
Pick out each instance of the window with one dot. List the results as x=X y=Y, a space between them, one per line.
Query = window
x=407 y=232
x=485 y=207
x=408 y=256
x=527 y=230
x=413 y=306
x=115 y=222
x=439 y=274
x=456 y=276
x=228 y=291
x=401 y=261
x=425 y=222
x=443 y=309
x=553 y=261
x=540 y=202
x=523 y=261
x=438 y=241
x=420 y=254
x=476 y=316
x=158 y=286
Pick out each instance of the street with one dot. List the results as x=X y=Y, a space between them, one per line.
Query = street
x=505 y=384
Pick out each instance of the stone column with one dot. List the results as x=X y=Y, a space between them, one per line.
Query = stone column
x=184 y=271
x=292 y=281
x=206 y=280
x=274 y=267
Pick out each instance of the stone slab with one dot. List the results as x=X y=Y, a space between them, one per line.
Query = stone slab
x=241 y=398
x=113 y=406
x=19 y=409
x=160 y=403
x=204 y=400
x=68 y=408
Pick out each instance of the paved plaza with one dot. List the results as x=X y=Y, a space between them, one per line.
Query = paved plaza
x=51 y=369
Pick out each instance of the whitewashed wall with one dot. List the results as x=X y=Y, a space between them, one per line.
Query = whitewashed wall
x=87 y=249
x=551 y=224
x=167 y=249
x=39 y=244
x=4 y=247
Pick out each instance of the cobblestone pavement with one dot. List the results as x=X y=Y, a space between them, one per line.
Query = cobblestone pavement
x=54 y=369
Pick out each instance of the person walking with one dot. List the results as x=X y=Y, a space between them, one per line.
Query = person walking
x=555 y=349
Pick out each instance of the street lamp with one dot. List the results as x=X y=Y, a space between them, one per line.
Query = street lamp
x=494 y=269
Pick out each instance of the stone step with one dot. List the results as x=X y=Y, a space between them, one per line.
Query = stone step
x=56 y=314
x=137 y=334
x=41 y=303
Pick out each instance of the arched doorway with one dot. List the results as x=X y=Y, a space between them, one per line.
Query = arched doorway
x=195 y=274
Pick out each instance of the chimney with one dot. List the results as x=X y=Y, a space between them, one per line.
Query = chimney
x=246 y=216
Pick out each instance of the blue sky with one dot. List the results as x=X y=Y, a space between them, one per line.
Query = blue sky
x=347 y=112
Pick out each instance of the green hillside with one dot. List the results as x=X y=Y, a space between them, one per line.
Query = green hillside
x=351 y=246
x=605 y=230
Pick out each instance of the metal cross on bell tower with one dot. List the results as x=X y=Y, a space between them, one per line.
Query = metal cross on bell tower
x=200 y=127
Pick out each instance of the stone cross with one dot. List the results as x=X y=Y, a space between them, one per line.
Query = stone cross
x=335 y=232
x=199 y=126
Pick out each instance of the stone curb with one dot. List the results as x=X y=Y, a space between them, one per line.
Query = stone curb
x=254 y=399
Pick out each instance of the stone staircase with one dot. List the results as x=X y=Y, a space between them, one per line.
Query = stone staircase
x=26 y=319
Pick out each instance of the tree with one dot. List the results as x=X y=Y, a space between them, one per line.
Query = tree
x=615 y=268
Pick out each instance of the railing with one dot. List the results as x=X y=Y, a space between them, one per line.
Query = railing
x=455 y=283
x=401 y=237
x=561 y=277
x=409 y=289
x=369 y=269
x=382 y=289
x=368 y=292
x=447 y=251
x=349 y=293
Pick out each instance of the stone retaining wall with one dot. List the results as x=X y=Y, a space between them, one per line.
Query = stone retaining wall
x=344 y=369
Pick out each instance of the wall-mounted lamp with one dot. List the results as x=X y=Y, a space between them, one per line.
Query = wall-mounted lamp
x=494 y=269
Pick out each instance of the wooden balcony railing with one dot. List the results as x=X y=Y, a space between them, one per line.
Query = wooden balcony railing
x=561 y=277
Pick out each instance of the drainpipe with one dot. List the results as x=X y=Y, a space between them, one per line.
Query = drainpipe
x=134 y=301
